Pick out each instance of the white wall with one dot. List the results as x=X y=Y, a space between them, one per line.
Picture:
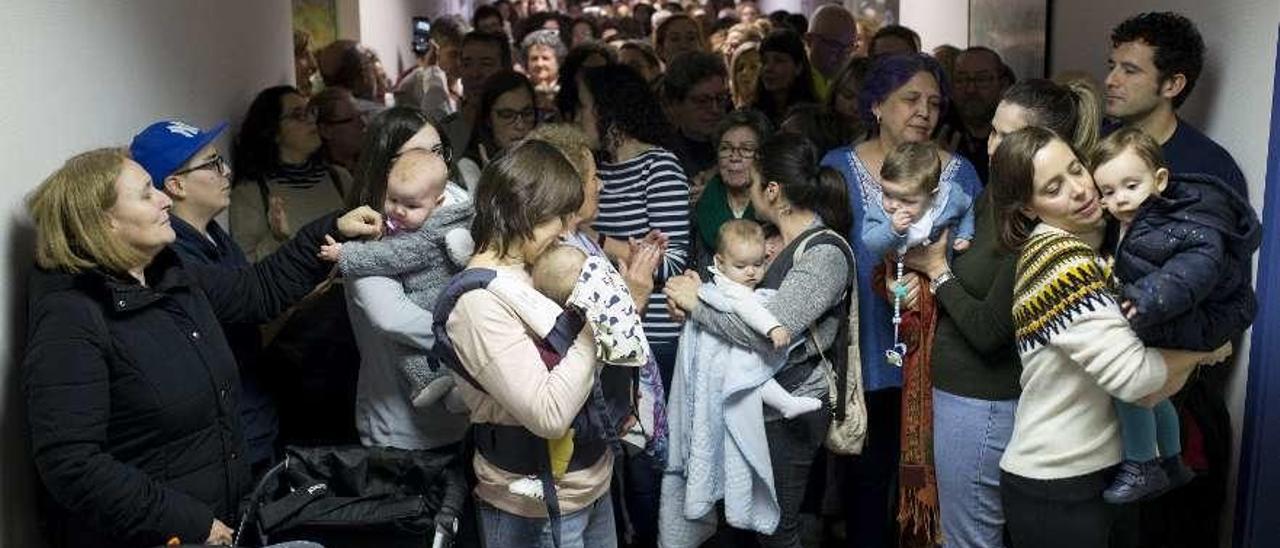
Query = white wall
x=937 y=21
x=81 y=74
x=1231 y=101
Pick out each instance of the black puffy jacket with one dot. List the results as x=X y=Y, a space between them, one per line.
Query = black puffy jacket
x=132 y=392
x=1185 y=263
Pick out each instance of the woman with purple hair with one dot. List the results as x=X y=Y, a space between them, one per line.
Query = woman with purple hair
x=903 y=96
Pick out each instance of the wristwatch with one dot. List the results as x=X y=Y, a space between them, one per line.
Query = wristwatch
x=600 y=238
x=943 y=278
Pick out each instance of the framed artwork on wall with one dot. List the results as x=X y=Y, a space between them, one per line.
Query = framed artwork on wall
x=1017 y=29
x=317 y=18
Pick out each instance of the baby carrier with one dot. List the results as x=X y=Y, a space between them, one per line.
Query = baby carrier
x=514 y=448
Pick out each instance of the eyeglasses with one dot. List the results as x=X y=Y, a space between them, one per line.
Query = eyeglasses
x=512 y=117
x=710 y=101
x=301 y=114
x=746 y=152
x=217 y=163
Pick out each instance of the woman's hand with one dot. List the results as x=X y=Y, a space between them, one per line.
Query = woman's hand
x=930 y=260
x=1180 y=364
x=638 y=270
x=682 y=293
x=219 y=534
x=361 y=222
x=655 y=237
x=912 y=281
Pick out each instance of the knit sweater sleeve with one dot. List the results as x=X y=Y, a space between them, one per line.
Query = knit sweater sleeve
x=399 y=254
x=986 y=323
x=1063 y=302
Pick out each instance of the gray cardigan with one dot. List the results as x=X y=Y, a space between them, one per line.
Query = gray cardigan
x=392 y=289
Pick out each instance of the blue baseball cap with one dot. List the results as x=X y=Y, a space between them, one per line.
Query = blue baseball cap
x=165 y=145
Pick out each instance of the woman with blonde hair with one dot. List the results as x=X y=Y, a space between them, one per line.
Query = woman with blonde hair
x=132 y=390
x=744 y=74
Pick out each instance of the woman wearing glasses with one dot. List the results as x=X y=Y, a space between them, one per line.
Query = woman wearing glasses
x=283 y=181
x=901 y=100
x=507 y=114
x=132 y=390
x=184 y=163
x=727 y=195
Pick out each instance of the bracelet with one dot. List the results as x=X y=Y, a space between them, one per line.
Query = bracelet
x=600 y=238
x=941 y=279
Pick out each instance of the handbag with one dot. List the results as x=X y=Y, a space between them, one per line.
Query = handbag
x=848 y=431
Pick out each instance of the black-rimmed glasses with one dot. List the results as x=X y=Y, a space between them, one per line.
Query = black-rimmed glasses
x=746 y=152
x=217 y=163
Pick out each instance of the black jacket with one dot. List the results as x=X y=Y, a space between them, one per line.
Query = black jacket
x=132 y=392
x=257 y=411
x=1185 y=263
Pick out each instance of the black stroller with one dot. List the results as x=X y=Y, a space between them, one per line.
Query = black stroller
x=355 y=497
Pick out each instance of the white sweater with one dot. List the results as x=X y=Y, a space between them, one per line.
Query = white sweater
x=1077 y=352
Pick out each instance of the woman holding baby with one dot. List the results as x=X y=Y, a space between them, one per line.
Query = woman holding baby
x=807 y=204
x=1075 y=344
x=520 y=390
x=975 y=362
x=903 y=97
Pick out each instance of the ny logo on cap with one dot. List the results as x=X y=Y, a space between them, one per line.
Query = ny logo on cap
x=182 y=129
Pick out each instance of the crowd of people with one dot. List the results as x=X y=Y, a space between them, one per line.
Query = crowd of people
x=661 y=274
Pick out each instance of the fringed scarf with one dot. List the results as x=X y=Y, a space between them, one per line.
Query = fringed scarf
x=919 y=521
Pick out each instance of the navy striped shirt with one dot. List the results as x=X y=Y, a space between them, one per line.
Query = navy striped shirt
x=644 y=193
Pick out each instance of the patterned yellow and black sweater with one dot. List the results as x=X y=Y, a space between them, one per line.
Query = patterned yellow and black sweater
x=1058 y=276
x=1077 y=352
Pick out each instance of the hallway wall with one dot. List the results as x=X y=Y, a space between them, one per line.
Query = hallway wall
x=1230 y=102
x=81 y=74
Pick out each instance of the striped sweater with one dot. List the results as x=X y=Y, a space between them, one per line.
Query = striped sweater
x=1077 y=352
x=649 y=192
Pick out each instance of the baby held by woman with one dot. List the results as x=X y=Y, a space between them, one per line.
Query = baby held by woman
x=1182 y=264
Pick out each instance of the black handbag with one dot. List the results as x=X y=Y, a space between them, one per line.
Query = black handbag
x=354 y=496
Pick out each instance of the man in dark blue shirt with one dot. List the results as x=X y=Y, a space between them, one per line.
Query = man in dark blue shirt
x=1155 y=61
x=184 y=163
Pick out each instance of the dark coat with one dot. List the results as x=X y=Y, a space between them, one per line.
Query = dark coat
x=257 y=411
x=132 y=392
x=1185 y=263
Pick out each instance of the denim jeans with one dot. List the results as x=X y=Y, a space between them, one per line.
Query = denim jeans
x=590 y=527
x=969 y=437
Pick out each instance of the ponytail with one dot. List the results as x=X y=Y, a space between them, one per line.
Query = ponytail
x=1088 y=116
x=792 y=161
x=1071 y=110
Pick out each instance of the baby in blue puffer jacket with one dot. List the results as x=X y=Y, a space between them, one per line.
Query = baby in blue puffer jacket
x=1182 y=262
